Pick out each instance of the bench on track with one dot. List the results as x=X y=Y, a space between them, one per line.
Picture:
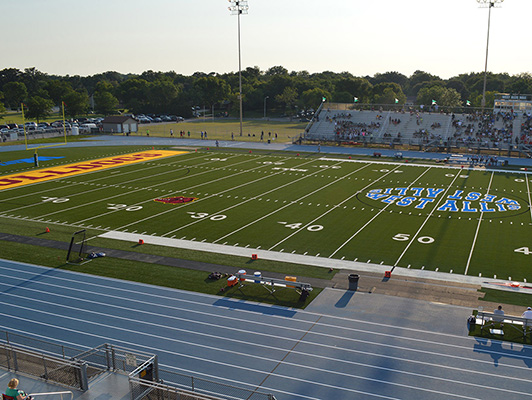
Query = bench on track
x=491 y=320
x=272 y=284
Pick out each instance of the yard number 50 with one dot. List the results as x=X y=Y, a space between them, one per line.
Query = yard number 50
x=401 y=237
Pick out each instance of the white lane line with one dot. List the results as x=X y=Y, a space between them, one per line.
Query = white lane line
x=137 y=287
x=374 y=217
x=348 y=337
x=268 y=348
x=152 y=335
x=426 y=220
x=476 y=232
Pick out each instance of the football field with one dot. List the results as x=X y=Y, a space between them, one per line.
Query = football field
x=458 y=220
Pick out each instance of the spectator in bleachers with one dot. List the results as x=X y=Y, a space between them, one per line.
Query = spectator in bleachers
x=18 y=394
x=528 y=313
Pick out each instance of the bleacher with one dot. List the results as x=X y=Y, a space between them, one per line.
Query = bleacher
x=430 y=130
x=383 y=126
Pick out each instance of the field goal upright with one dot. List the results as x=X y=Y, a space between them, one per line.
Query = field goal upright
x=76 y=251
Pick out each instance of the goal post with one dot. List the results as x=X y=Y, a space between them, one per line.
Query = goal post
x=77 y=250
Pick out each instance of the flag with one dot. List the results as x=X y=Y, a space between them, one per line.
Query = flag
x=467 y=103
x=433 y=102
x=355 y=99
x=396 y=101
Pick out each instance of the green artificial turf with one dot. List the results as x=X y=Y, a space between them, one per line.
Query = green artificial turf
x=338 y=209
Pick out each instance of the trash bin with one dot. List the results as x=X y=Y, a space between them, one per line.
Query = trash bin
x=353 y=281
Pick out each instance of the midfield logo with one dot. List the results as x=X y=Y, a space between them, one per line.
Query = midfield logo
x=176 y=200
x=459 y=201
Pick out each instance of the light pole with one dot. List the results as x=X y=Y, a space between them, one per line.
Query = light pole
x=489 y=4
x=239 y=7
x=266 y=98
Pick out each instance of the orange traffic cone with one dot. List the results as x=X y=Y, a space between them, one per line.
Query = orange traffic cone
x=47 y=230
x=141 y=241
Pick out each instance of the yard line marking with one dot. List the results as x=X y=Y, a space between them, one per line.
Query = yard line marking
x=140 y=189
x=211 y=196
x=254 y=198
x=476 y=233
x=374 y=217
x=426 y=220
x=528 y=192
x=331 y=209
x=86 y=182
x=290 y=203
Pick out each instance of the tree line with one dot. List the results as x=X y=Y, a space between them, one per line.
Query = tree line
x=283 y=92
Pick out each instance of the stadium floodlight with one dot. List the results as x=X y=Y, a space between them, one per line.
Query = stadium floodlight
x=239 y=7
x=487 y=4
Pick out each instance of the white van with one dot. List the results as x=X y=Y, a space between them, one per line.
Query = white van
x=87 y=127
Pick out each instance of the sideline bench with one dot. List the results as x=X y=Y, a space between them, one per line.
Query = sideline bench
x=272 y=284
x=488 y=320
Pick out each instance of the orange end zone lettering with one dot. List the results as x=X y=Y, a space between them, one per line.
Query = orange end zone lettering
x=42 y=175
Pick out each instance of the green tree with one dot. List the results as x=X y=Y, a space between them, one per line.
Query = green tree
x=134 y=94
x=521 y=84
x=39 y=107
x=313 y=97
x=15 y=93
x=2 y=110
x=277 y=70
x=57 y=89
x=490 y=99
x=444 y=97
x=76 y=103
x=386 y=93
x=212 y=90
x=160 y=94
x=287 y=99
x=105 y=102
x=390 y=77
x=415 y=82
x=356 y=87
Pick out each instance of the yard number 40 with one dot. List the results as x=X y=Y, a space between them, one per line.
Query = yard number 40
x=524 y=250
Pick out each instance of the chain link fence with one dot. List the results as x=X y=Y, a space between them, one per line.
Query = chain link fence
x=186 y=385
x=57 y=370
x=76 y=367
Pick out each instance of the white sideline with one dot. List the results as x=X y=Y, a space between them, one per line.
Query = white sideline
x=294 y=258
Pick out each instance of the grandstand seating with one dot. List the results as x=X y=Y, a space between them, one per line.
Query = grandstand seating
x=414 y=127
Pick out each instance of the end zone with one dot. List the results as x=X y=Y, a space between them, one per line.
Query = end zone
x=46 y=174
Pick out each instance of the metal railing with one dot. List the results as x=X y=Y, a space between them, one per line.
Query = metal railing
x=53 y=369
x=68 y=392
x=172 y=384
x=75 y=367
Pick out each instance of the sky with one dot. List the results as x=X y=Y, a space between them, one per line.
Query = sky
x=444 y=38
